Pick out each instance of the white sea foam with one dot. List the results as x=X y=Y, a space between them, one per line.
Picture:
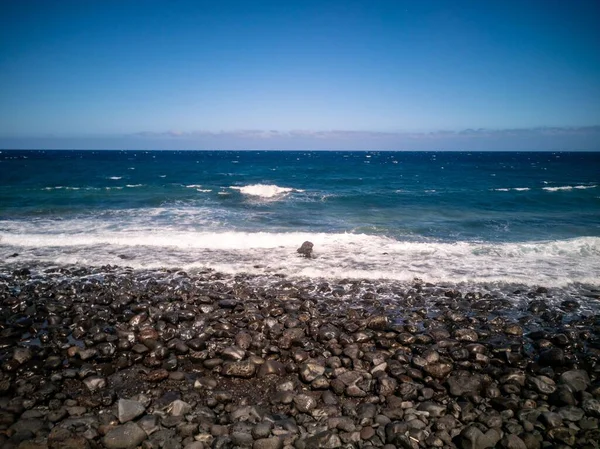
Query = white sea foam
x=517 y=189
x=204 y=190
x=193 y=186
x=131 y=186
x=115 y=178
x=561 y=188
x=551 y=263
x=265 y=190
x=66 y=188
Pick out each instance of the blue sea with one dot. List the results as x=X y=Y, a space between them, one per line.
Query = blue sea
x=503 y=218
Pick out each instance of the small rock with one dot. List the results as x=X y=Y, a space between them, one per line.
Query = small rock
x=576 y=380
x=94 y=383
x=473 y=438
x=127 y=436
x=309 y=371
x=464 y=383
x=512 y=441
x=244 y=369
x=305 y=403
x=542 y=384
x=233 y=353
x=157 y=375
x=271 y=367
x=268 y=443
x=128 y=410
x=179 y=408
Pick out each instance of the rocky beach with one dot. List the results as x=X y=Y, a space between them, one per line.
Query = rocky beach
x=112 y=357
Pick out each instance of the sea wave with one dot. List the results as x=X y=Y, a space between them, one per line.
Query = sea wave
x=264 y=190
x=553 y=263
x=561 y=188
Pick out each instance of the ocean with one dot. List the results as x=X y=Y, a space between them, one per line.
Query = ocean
x=479 y=218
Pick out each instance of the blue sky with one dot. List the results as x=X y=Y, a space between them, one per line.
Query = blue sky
x=373 y=74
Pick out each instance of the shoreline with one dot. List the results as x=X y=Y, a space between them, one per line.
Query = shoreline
x=115 y=357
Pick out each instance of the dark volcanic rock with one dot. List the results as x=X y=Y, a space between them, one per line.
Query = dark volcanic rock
x=306 y=249
x=464 y=383
x=163 y=359
x=127 y=436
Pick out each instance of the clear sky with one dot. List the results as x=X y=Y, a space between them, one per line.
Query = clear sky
x=304 y=74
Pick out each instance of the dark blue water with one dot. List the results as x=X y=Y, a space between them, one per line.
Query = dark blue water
x=438 y=215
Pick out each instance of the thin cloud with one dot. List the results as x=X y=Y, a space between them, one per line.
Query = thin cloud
x=351 y=134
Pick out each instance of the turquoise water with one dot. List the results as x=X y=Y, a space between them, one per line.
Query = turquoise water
x=442 y=216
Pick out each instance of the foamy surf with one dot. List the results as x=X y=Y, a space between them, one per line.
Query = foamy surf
x=565 y=188
x=341 y=255
x=264 y=190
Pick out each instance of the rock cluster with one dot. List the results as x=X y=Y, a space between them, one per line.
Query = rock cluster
x=118 y=359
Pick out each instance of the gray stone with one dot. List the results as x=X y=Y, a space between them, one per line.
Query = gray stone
x=305 y=403
x=242 y=439
x=386 y=385
x=126 y=436
x=94 y=383
x=179 y=408
x=551 y=419
x=464 y=384
x=194 y=445
x=128 y=410
x=513 y=442
x=166 y=438
x=262 y=429
x=571 y=413
x=309 y=371
x=268 y=443
x=149 y=424
x=577 y=380
x=31 y=425
x=250 y=413
x=473 y=438
x=434 y=410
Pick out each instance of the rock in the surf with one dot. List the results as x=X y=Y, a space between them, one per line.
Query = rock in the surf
x=306 y=249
